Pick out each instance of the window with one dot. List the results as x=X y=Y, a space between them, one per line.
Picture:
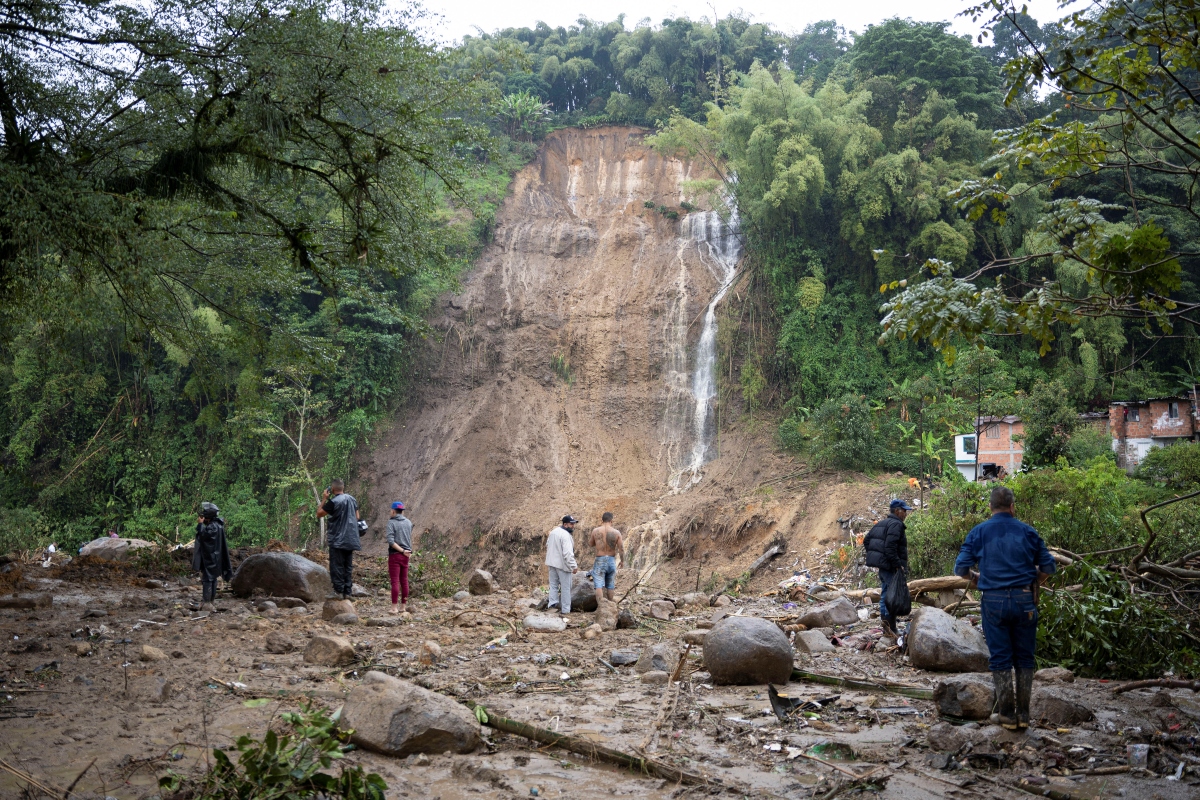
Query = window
x=1135 y=415
x=969 y=445
x=993 y=432
x=1173 y=410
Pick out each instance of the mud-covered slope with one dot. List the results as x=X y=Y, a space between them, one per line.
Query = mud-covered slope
x=563 y=379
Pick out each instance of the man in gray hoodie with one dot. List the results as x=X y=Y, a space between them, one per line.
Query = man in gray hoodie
x=342 y=533
x=560 y=560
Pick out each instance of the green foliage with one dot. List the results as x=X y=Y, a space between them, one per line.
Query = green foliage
x=1050 y=420
x=285 y=766
x=1176 y=467
x=23 y=529
x=1088 y=443
x=434 y=574
x=561 y=365
x=846 y=436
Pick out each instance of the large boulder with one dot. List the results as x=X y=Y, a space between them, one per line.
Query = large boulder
x=398 y=718
x=660 y=656
x=968 y=696
x=939 y=642
x=747 y=650
x=282 y=575
x=546 y=623
x=481 y=582
x=583 y=594
x=825 y=615
x=113 y=549
x=1056 y=707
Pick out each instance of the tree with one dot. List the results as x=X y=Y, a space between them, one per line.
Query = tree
x=813 y=53
x=1050 y=420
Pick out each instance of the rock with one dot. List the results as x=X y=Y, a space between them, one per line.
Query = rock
x=525 y=602
x=398 y=718
x=700 y=677
x=619 y=658
x=706 y=624
x=332 y=608
x=662 y=609
x=164 y=690
x=825 y=615
x=431 y=653
x=421 y=760
x=481 y=582
x=694 y=599
x=290 y=602
x=583 y=594
x=607 y=615
x=1050 y=674
x=721 y=600
x=384 y=622
x=813 y=642
x=95 y=612
x=658 y=656
x=1056 y=707
x=152 y=583
x=149 y=653
x=348 y=618
x=625 y=620
x=747 y=650
x=968 y=696
x=298 y=611
x=360 y=591
x=695 y=636
x=545 y=622
x=113 y=549
x=282 y=575
x=27 y=602
x=82 y=649
x=460 y=596
x=949 y=738
x=826 y=596
x=279 y=643
x=655 y=677
x=329 y=651
x=265 y=605
x=937 y=641
x=592 y=631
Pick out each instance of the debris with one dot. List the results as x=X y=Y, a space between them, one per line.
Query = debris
x=398 y=718
x=917 y=692
x=1056 y=707
x=282 y=574
x=785 y=706
x=747 y=650
x=1169 y=683
x=939 y=642
x=27 y=602
x=113 y=549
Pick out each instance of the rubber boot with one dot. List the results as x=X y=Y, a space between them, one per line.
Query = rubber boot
x=1003 y=706
x=889 y=627
x=1024 y=692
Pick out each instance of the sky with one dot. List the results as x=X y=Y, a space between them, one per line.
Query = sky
x=463 y=17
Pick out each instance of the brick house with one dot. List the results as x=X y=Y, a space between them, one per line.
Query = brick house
x=994 y=445
x=1139 y=425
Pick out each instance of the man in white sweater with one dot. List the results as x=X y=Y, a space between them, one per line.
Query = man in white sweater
x=560 y=559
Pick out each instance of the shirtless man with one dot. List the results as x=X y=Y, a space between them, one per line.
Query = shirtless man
x=608 y=543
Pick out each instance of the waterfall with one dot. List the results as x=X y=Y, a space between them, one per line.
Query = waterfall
x=720 y=246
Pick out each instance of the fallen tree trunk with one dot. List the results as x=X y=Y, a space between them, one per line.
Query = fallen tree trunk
x=762 y=560
x=937 y=584
x=592 y=750
x=1170 y=683
x=915 y=692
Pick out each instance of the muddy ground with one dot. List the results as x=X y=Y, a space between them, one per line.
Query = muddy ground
x=128 y=721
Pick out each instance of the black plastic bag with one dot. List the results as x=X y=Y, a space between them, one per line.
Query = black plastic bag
x=898 y=600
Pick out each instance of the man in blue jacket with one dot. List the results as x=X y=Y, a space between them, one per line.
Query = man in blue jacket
x=1013 y=561
x=887 y=551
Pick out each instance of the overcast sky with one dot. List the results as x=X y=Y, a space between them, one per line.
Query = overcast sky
x=461 y=17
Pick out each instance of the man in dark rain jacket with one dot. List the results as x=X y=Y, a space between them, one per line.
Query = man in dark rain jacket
x=887 y=551
x=210 y=553
x=342 y=535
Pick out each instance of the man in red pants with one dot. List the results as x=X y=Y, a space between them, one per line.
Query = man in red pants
x=399 y=539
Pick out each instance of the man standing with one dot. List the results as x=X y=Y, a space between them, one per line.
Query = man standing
x=399 y=540
x=1013 y=561
x=210 y=554
x=342 y=534
x=887 y=551
x=560 y=559
x=608 y=542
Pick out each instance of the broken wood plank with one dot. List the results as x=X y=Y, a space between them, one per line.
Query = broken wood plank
x=937 y=584
x=1170 y=683
x=916 y=692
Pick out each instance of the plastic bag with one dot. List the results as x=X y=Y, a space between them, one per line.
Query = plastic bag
x=898 y=600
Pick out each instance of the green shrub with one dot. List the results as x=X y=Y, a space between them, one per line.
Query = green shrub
x=1175 y=467
x=23 y=529
x=846 y=436
x=433 y=574
x=1088 y=443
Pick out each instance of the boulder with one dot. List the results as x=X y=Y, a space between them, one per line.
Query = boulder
x=625 y=620
x=552 y=623
x=289 y=602
x=148 y=653
x=431 y=652
x=27 y=602
x=279 y=643
x=282 y=575
x=659 y=656
x=481 y=582
x=333 y=608
x=721 y=600
x=825 y=615
x=592 y=631
x=655 y=677
x=939 y=642
x=694 y=599
x=345 y=618
x=950 y=738
x=968 y=696
x=461 y=595
x=662 y=609
x=607 y=614
x=1052 y=674
x=398 y=718
x=813 y=642
x=583 y=594
x=619 y=658
x=695 y=636
x=113 y=549
x=329 y=651
x=747 y=650
x=1056 y=707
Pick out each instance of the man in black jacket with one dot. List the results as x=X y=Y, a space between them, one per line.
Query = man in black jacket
x=887 y=551
x=210 y=554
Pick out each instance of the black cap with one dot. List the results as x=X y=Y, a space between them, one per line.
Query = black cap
x=209 y=510
x=568 y=519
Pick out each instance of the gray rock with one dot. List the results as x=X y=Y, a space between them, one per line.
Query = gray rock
x=625 y=620
x=333 y=608
x=360 y=591
x=939 y=642
x=1051 y=674
x=968 y=696
x=552 y=623
x=662 y=656
x=1056 y=707
x=607 y=614
x=619 y=658
x=384 y=622
x=283 y=575
x=481 y=582
x=265 y=605
x=694 y=599
x=278 y=643
x=398 y=718
x=329 y=651
x=695 y=636
x=289 y=602
x=113 y=549
x=747 y=650
x=721 y=600
x=950 y=738
x=152 y=583
x=348 y=618
x=149 y=653
x=813 y=642
x=583 y=594
x=163 y=690
x=655 y=677
x=460 y=596
x=662 y=609
x=825 y=615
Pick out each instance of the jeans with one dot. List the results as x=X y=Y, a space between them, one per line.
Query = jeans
x=560 y=589
x=1010 y=620
x=341 y=570
x=398 y=572
x=886 y=576
x=604 y=572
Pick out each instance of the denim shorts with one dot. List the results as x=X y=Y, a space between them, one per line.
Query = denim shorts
x=604 y=572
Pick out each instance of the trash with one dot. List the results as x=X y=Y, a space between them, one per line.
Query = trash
x=784 y=706
x=1139 y=755
x=834 y=750
x=566 y=676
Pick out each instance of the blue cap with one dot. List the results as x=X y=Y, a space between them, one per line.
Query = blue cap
x=398 y=505
x=898 y=503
